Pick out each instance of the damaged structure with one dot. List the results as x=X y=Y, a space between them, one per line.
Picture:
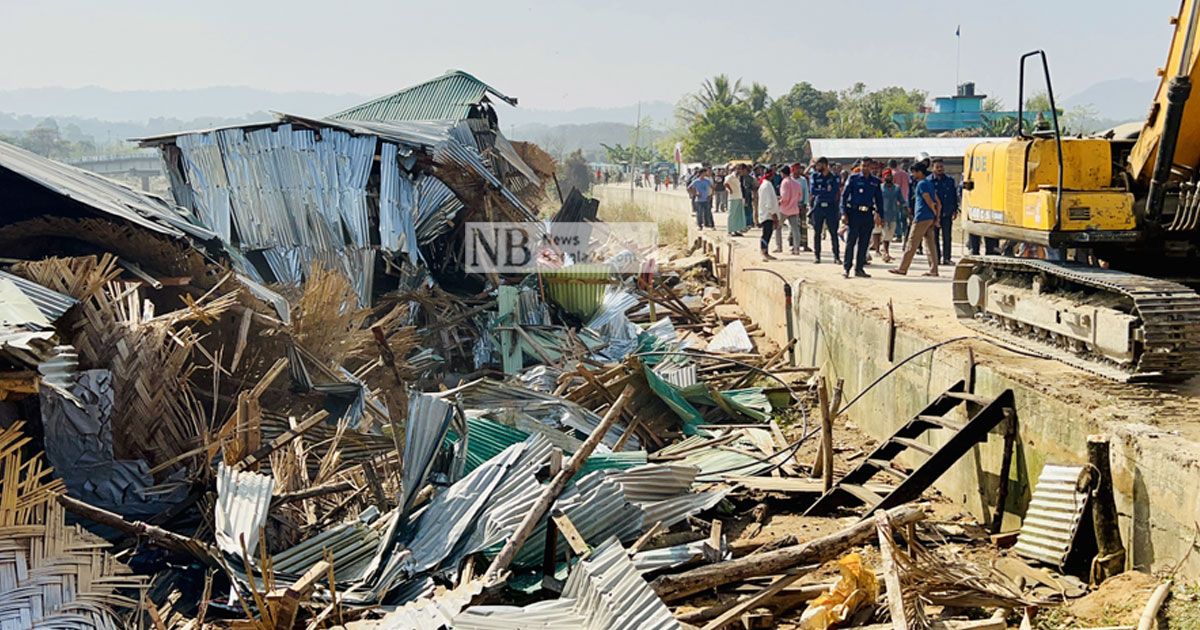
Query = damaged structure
x=281 y=400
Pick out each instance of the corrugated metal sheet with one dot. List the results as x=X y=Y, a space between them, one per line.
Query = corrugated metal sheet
x=666 y=557
x=1053 y=516
x=397 y=206
x=104 y=195
x=580 y=289
x=448 y=97
x=241 y=509
x=603 y=592
x=856 y=148
x=428 y=420
x=487 y=394
x=50 y=303
x=732 y=338
x=296 y=195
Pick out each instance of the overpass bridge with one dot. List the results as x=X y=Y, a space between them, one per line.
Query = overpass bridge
x=141 y=164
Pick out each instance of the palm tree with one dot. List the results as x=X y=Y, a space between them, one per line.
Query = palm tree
x=757 y=98
x=715 y=91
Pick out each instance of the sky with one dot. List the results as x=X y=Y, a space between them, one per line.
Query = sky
x=567 y=54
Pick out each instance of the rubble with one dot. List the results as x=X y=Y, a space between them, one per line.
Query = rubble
x=283 y=401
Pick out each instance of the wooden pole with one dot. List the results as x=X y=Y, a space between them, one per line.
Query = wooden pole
x=814 y=552
x=1110 y=559
x=163 y=538
x=553 y=489
x=818 y=466
x=1010 y=441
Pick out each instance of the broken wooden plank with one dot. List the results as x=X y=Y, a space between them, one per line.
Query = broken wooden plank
x=754 y=600
x=571 y=534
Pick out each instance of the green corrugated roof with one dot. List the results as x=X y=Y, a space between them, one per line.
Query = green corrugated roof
x=487 y=438
x=448 y=97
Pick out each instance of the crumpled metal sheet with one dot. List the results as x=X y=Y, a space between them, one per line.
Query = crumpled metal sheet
x=603 y=592
x=429 y=418
x=397 y=206
x=732 y=338
x=667 y=557
x=50 y=304
x=243 y=499
x=486 y=394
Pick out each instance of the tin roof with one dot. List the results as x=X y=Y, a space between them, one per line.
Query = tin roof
x=448 y=97
x=98 y=193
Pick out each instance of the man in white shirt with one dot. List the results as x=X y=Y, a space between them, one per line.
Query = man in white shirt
x=768 y=209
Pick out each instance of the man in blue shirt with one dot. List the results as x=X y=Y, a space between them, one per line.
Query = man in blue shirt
x=926 y=209
x=947 y=194
x=823 y=186
x=701 y=190
x=862 y=210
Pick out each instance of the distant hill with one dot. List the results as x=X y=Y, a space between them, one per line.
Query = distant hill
x=563 y=139
x=113 y=115
x=1120 y=100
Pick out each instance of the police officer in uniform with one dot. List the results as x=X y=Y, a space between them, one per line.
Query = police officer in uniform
x=823 y=186
x=862 y=210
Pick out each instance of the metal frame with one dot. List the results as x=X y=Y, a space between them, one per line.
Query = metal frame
x=1053 y=115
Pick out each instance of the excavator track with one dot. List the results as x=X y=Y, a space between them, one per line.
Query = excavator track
x=1163 y=316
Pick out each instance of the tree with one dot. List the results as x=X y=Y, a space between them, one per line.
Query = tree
x=758 y=98
x=715 y=91
x=992 y=104
x=575 y=172
x=45 y=140
x=816 y=104
x=724 y=132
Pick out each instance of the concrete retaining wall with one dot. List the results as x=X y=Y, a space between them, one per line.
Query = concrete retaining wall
x=1155 y=473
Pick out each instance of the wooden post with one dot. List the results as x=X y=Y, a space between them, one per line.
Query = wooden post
x=550 y=553
x=1111 y=556
x=891 y=342
x=553 y=489
x=1010 y=440
x=823 y=404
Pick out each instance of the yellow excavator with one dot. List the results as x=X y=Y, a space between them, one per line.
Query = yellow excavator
x=1093 y=242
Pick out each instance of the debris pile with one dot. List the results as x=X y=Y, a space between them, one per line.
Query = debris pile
x=285 y=400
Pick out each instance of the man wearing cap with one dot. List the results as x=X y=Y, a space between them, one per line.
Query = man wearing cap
x=862 y=210
x=824 y=186
x=895 y=209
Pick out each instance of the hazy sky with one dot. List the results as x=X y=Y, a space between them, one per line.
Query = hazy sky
x=567 y=54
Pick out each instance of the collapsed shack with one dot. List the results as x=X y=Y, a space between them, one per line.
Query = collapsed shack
x=282 y=401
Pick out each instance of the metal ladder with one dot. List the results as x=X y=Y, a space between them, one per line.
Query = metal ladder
x=852 y=489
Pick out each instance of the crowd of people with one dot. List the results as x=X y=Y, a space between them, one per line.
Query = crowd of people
x=863 y=208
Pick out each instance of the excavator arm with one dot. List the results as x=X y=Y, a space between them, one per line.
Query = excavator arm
x=1170 y=137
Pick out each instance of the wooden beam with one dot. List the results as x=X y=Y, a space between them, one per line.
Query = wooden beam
x=550 y=492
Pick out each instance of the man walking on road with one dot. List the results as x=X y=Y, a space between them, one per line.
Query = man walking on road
x=768 y=209
x=947 y=194
x=862 y=210
x=824 y=186
x=926 y=209
x=700 y=190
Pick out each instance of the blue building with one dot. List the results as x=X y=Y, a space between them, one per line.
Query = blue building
x=961 y=111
